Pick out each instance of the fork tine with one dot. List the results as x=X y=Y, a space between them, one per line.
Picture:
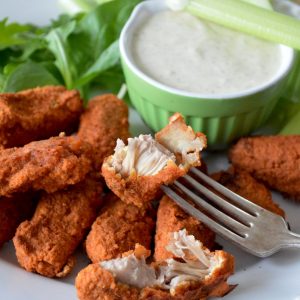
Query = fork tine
x=230 y=208
x=201 y=216
x=246 y=204
x=230 y=222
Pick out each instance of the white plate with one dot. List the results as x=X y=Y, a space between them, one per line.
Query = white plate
x=277 y=277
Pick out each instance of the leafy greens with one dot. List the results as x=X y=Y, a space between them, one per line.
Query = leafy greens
x=78 y=51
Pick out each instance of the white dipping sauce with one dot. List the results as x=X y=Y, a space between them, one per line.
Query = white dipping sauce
x=184 y=52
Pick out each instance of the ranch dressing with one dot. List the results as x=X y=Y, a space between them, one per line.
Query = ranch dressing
x=184 y=52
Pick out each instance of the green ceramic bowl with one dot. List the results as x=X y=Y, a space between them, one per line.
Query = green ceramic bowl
x=222 y=118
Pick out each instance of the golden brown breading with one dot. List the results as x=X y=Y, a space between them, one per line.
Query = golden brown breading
x=46 y=243
x=139 y=190
x=13 y=211
x=104 y=121
x=246 y=186
x=118 y=228
x=135 y=172
x=48 y=165
x=171 y=218
x=37 y=114
x=274 y=160
x=96 y=283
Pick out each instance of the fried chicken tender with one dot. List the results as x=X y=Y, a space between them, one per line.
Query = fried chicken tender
x=93 y=282
x=37 y=114
x=246 y=186
x=275 y=160
x=104 y=121
x=48 y=165
x=46 y=243
x=13 y=211
x=186 y=278
x=118 y=228
x=135 y=172
x=171 y=218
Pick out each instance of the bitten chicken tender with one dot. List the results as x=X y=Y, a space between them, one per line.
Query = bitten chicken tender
x=275 y=160
x=171 y=218
x=135 y=172
x=104 y=121
x=118 y=228
x=13 y=211
x=195 y=273
x=48 y=165
x=45 y=244
x=38 y=114
x=246 y=186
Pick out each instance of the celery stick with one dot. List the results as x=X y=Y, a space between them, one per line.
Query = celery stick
x=262 y=3
x=76 y=6
x=248 y=18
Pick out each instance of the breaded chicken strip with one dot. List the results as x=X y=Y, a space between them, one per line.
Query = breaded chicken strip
x=13 y=211
x=46 y=243
x=135 y=172
x=275 y=160
x=104 y=121
x=37 y=114
x=195 y=273
x=48 y=165
x=118 y=228
x=171 y=218
x=246 y=186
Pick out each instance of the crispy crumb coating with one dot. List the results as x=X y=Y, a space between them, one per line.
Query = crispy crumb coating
x=13 y=211
x=275 y=160
x=48 y=165
x=37 y=114
x=246 y=186
x=118 y=228
x=139 y=190
x=104 y=121
x=96 y=283
x=46 y=243
x=171 y=218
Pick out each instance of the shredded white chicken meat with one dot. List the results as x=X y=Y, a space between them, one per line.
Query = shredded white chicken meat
x=146 y=156
x=197 y=261
x=132 y=271
x=142 y=155
x=135 y=272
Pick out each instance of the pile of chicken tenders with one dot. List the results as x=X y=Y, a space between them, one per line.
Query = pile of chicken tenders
x=72 y=176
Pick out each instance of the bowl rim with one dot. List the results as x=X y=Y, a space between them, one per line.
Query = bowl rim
x=282 y=72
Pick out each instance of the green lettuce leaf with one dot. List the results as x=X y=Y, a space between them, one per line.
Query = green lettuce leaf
x=58 y=45
x=11 y=34
x=88 y=46
x=27 y=75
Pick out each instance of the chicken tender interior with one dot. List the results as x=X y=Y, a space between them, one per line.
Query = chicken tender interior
x=142 y=154
x=132 y=271
x=193 y=263
x=145 y=156
x=197 y=262
x=181 y=140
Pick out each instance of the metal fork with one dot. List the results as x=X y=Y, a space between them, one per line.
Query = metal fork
x=251 y=227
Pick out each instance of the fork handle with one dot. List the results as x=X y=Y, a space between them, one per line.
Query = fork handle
x=291 y=240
